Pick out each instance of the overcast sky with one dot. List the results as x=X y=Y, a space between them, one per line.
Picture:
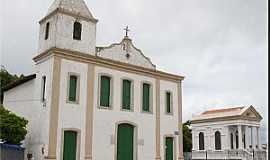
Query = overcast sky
x=220 y=46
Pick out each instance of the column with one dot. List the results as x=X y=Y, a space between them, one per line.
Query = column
x=180 y=137
x=245 y=137
x=89 y=113
x=252 y=138
x=248 y=137
x=234 y=137
x=258 y=137
x=240 y=137
x=228 y=138
x=194 y=140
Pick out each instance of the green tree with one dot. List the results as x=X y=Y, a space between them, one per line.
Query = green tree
x=5 y=79
x=187 y=137
x=12 y=127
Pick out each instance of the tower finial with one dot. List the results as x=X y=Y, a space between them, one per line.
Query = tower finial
x=127 y=30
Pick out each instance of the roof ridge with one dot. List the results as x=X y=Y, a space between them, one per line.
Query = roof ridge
x=78 y=7
x=211 y=111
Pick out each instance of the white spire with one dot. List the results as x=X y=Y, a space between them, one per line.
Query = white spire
x=77 y=7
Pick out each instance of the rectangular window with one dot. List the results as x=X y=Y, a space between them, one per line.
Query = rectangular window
x=146 y=97
x=105 y=91
x=43 y=88
x=73 y=80
x=126 y=97
x=168 y=102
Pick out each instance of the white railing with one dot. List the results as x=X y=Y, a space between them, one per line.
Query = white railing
x=230 y=154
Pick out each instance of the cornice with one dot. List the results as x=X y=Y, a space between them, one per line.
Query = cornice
x=87 y=58
x=239 y=117
x=62 y=11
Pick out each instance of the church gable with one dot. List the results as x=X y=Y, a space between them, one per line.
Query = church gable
x=125 y=52
x=250 y=112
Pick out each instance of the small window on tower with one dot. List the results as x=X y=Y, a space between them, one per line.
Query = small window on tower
x=47 y=30
x=77 y=31
x=43 y=89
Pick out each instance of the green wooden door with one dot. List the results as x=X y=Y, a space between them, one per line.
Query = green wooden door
x=70 y=145
x=125 y=144
x=169 y=148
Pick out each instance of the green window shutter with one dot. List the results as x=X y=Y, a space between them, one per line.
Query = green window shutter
x=126 y=97
x=168 y=102
x=146 y=97
x=72 y=88
x=105 y=91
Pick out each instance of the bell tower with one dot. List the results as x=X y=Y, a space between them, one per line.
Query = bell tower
x=68 y=25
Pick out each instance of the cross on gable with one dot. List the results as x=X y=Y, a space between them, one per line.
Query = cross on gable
x=127 y=30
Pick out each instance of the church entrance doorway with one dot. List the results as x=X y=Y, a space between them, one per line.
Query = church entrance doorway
x=125 y=142
x=169 y=148
x=70 y=145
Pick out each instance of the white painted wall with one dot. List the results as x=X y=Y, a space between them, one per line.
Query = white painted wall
x=168 y=123
x=105 y=120
x=61 y=35
x=25 y=100
x=209 y=129
x=72 y=115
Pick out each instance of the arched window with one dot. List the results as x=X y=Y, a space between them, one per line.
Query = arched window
x=201 y=141
x=231 y=140
x=217 y=140
x=77 y=30
x=47 y=30
x=236 y=139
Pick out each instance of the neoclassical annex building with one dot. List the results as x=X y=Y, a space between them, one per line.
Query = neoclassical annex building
x=227 y=133
x=95 y=103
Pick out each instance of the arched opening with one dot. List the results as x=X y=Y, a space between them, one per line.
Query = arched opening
x=47 y=30
x=70 y=145
x=77 y=31
x=231 y=140
x=201 y=141
x=125 y=141
x=217 y=140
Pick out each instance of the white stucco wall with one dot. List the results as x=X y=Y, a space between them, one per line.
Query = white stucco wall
x=168 y=123
x=209 y=129
x=105 y=120
x=25 y=100
x=61 y=35
x=72 y=115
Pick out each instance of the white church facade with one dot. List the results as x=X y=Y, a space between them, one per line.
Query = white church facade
x=95 y=103
x=229 y=133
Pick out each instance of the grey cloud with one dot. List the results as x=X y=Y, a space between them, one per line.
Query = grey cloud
x=220 y=46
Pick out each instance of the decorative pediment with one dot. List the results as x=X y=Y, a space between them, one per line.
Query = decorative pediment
x=235 y=113
x=125 y=52
x=250 y=112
